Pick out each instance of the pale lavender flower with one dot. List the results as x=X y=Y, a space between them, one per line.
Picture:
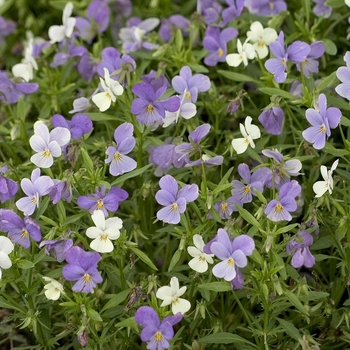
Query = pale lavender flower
x=147 y=107
x=272 y=119
x=169 y=26
x=34 y=188
x=6 y=28
x=80 y=104
x=343 y=74
x=59 y=248
x=82 y=267
x=226 y=207
x=68 y=49
x=19 y=231
x=210 y=10
x=8 y=187
x=79 y=125
x=189 y=85
x=299 y=246
x=216 y=43
x=310 y=65
x=278 y=210
x=266 y=7
x=322 y=120
x=60 y=190
x=321 y=9
x=233 y=11
x=157 y=334
x=173 y=199
x=102 y=201
x=117 y=156
x=155 y=81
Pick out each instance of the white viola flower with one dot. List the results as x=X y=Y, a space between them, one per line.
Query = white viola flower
x=111 y=88
x=245 y=52
x=25 y=69
x=53 y=289
x=6 y=247
x=171 y=295
x=104 y=231
x=200 y=260
x=347 y=3
x=58 y=33
x=321 y=187
x=47 y=144
x=261 y=38
x=250 y=132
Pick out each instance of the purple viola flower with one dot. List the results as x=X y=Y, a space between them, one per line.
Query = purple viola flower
x=266 y=7
x=216 y=43
x=59 y=248
x=10 y=92
x=310 y=65
x=226 y=207
x=79 y=125
x=343 y=74
x=172 y=23
x=233 y=11
x=174 y=200
x=233 y=253
x=321 y=9
x=296 y=52
x=117 y=156
x=147 y=107
x=34 y=188
x=157 y=334
x=322 y=120
x=80 y=104
x=8 y=187
x=6 y=28
x=209 y=10
x=96 y=22
x=156 y=81
x=60 y=190
x=82 y=267
x=87 y=67
x=189 y=85
x=19 y=231
x=278 y=210
x=63 y=56
x=102 y=201
x=299 y=246
x=272 y=119
x=244 y=191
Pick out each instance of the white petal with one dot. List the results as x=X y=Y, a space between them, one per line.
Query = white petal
x=334 y=165
x=188 y=110
x=60 y=135
x=94 y=232
x=239 y=145
x=198 y=242
x=37 y=143
x=52 y=293
x=253 y=131
x=5 y=262
x=102 y=100
x=249 y=51
x=262 y=51
x=69 y=27
x=42 y=160
x=324 y=172
x=234 y=59
x=181 y=291
x=56 y=34
x=67 y=11
x=269 y=36
x=320 y=188
x=6 y=246
x=116 y=88
x=102 y=245
x=181 y=305
x=164 y=292
x=23 y=70
x=42 y=130
x=55 y=149
x=99 y=219
x=115 y=223
x=198 y=264
x=174 y=285
x=257 y=28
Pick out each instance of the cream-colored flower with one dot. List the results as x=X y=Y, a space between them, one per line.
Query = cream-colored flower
x=200 y=260
x=53 y=289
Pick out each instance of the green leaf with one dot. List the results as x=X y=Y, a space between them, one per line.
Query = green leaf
x=286 y=229
x=278 y=92
x=174 y=260
x=330 y=47
x=323 y=243
x=25 y=264
x=216 y=286
x=103 y=117
x=94 y=315
x=290 y=329
x=344 y=121
x=178 y=40
x=311 y=295
x=116 y=299
x=328 y=148
x=224 y=338
x=48 y=221
x=334 y=3
x=327 y=82
x=238 y=77
x=247 y=216
x=129 y=322
x=74 y=218
x=294 y=300
x=130 y=175
x=87 y=160
x=143 y=257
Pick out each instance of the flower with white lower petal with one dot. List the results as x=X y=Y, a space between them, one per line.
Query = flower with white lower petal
x=245 y=52
x=104 y=232
x=171 y=296
x=200 y=260
x=53 y=289
x=47 y=144
x=6 y=247
x=347 y=3
x=58 y=33
x=111 y=88
x=250 y=132
x=261 y=38
x=321 y=187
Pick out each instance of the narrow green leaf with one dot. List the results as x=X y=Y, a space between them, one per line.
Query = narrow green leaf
x=329 y=81
x=278 y=92
x=116 y=299
x=290 y=329
x=294 y=300
x=87 y=160
x=143 y=257
x=94 y=315
x=335 y=152
x=345 y=121
x=247 y=216
x=330 y=47
x=102 y=117
x=224 y=338
x=174 y=260
x=130 y=175
x=216 y=286
x=238 y=77
x=25 y=264
x=129 y=322
x=285 y=229
x=334 y=3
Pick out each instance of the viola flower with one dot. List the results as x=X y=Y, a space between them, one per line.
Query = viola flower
x=155 y=80
x=232 y=252
x=322 y=120
x=79 y=105
x=82 y=267
x=310 y=65
x=261 y=38
x=189 y=85
x=169 y=26
x=47 y=144
x=216 y=43
x=6 y=247
x=233 y=11
x=111 y=88
x=147 y=108
x=80 y=124
x=104 y=231
x=117 y=156
x=8 y=187
x=60 y=190
x=171 y=296
x=266 y=7
x=225 y=208
x=250 y=132
x=34 y=188
x=6 y=28
x=157 y=334
x=53 y=289
x=174 y=200
x=19 y=231
x=200 y=260
x=59 y=248
x=102 y=201
x=58 y=33
x=343 y=74
x=321 y=187
x=278 y=210
x=245 y=52
x=272 y=120
x=300 y=249
x=321 y=9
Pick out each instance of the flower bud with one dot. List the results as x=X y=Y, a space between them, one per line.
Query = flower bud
x=83 y=338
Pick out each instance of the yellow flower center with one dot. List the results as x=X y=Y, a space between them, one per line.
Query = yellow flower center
x=323 y=129
x=278 y=208
x=149 y=109
x=220 y=52
x=33 y=200
x=231 y=262
x=104 y=237
x=246 y=140
x=117 y=156
x=223 y=206
x=188 y=95
x=174 y=207
x=284 y=62
x=99 y=204
x=47 y=153
x=246 y=189
x=202 y=258
x=158 y=336
x=271 y=5
x=175 y=300
x=86 y=277
x=25 y=233
x=261 y=44
x=280 y=174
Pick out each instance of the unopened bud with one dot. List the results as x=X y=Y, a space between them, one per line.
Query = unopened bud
x=83 y=338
